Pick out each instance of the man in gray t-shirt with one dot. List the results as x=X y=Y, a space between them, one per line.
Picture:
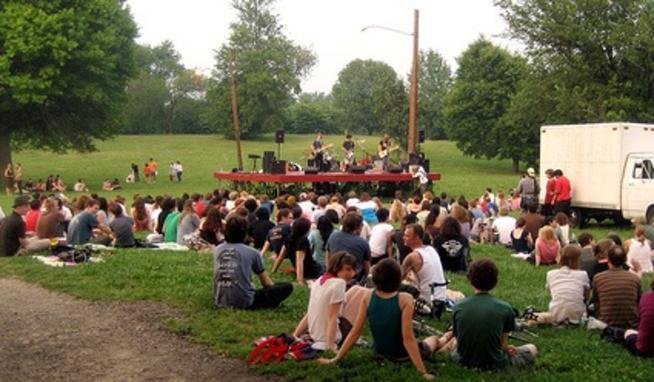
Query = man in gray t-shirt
x=348 y=240
x=122 y=227
x=233 y=265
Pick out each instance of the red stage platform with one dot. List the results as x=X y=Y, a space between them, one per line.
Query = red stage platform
x=301 y=177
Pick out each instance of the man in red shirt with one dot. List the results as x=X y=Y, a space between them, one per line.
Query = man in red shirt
x=562 y=193
x=548 y=204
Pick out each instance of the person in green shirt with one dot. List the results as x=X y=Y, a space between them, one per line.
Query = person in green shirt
x=482 y=324
x=171 y=222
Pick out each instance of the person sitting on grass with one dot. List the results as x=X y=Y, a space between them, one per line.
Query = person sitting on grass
x=80 y=186
x=482 y=324
x=616 y=292
x=278 y=235
x=521 y=241
x=390 y=316
x=639 y=250
x=381 y=246
x=122 y=227
x=452 y=247
x=641 y=342
x=332 y=310
x=172 y=220
x=233 y=265
x=348 y=240
x=299 y=252
x=423 y=265
x=569 y=288
x=547 y=247
x=85 y=227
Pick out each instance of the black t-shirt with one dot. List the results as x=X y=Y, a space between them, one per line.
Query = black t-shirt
x=277 y=236
x=398 y=240
x=348 y=145
x=594 y=267
x=520 y=244
x=452 y=251
x=259 y=232
x=312 y=269
x=12 y=230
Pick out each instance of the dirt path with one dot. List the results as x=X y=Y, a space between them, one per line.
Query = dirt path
x=51 y=336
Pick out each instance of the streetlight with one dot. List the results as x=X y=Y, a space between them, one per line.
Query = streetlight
x=413 y=92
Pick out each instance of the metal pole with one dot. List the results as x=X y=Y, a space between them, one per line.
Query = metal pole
x=237 y=129
x=413 y=94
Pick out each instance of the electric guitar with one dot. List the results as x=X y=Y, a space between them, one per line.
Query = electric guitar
x=315 y=151
x=384 y=153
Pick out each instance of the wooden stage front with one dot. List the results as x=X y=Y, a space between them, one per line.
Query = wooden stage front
x=322 y=177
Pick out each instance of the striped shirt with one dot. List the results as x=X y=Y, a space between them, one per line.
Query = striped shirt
x=618 y=292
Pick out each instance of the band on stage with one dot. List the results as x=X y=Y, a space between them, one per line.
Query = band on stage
x=323 y=158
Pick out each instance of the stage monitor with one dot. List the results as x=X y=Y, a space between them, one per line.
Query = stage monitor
x=279 y=167
x=358 y=169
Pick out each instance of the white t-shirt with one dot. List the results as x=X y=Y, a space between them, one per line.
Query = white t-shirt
x=351 y=202
x=504 y=225
x=642 y=253
x=320 y=299
x=379 y=236
x=567 y=289
x=307 y=208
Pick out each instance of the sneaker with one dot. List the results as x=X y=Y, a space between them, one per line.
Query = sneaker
x=595 y=324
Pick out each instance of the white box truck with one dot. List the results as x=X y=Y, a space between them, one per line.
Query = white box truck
x=610 y=167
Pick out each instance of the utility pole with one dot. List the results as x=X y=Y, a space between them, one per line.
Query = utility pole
x=413 y=93
x=237 y=129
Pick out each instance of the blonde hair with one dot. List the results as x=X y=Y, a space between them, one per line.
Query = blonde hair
x=397 y=211
x=547 y=233
x=639 y=234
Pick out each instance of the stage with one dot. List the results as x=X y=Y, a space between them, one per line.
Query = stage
x=321 y=177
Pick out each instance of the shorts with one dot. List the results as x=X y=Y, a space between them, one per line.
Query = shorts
x=630 y=344
x=523 y=357
x=423 y=348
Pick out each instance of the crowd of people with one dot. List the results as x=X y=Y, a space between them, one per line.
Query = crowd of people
x=340 y=245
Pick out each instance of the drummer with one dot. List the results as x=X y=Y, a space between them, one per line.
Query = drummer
x=348 y=157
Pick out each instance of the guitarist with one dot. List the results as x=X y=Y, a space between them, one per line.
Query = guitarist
x=383 y=150
x=348 y=158
x=316 y=150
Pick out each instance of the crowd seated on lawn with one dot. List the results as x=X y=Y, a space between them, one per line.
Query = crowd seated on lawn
x=333 y=244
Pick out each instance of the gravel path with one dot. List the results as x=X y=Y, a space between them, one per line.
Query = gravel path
x=46 y=335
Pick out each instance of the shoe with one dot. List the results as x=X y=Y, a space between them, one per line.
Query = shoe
x=595 y=324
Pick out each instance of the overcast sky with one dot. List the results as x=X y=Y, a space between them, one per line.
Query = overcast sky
x=331 y=28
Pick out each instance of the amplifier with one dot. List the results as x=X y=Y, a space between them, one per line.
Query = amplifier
x=311 y=170
x=278 y=167
x=358 y=169
x=395 y=170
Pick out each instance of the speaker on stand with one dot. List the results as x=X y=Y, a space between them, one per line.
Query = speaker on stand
x=279 y=139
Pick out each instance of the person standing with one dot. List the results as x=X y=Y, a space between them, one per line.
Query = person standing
x=18 y=177
x=179 y=169
x=9 y=179
x=548 y=208
x=383 y=149
x=153 y=170
x=528 y=188
x=135 y=172
x=348 y=155
x=316 y=150
x=562 y=193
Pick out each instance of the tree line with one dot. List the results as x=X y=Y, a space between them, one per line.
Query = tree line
x=70 y=72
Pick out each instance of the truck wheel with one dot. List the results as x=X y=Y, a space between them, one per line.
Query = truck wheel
x=618 y=219
x=650 y=215
x=577 y=218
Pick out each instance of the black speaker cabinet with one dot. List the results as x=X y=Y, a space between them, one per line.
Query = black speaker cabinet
x=395 y=170
x=279 y=136
x=268 y=159
x=279 y=167
x=421 y=136
x=358 y=169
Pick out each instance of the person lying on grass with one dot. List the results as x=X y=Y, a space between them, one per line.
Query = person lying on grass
x=390 y=316
x=332 y=310
x=482 y=324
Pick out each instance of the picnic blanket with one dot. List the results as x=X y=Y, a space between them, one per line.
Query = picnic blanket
x=54 y=261
x=170 y=246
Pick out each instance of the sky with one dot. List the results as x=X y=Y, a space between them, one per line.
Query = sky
x=331 y=28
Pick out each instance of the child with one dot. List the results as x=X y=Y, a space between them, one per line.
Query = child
x=390 y=316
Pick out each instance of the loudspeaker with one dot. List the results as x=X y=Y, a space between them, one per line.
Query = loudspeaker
x=395 y=170
x=279 y=136
x=311 y=163
x=421 y=136
x=358 y=169
x=414 y=159
x=311 y=170
x=425 y=164
x=268 y=159
x=279 y=167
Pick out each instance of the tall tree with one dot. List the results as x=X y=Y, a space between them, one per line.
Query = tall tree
x=269 y=68
x=63 y=69
x=597 y=56
x=371 y=99
x=487 y=79
x=435 y=80
x=311 y=113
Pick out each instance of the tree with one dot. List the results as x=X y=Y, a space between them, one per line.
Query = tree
x=487 y=79
x=63 y=69
x=371 y=99
x=269 y=68
x=595 y=57
x=435 y=80
x=311 y=113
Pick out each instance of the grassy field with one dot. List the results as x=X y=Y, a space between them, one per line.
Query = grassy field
x=183 y=280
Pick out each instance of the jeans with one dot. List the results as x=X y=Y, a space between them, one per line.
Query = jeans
x=272 y=296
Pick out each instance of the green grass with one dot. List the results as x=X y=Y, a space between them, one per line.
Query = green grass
x=183 y=280
x=203 y=155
